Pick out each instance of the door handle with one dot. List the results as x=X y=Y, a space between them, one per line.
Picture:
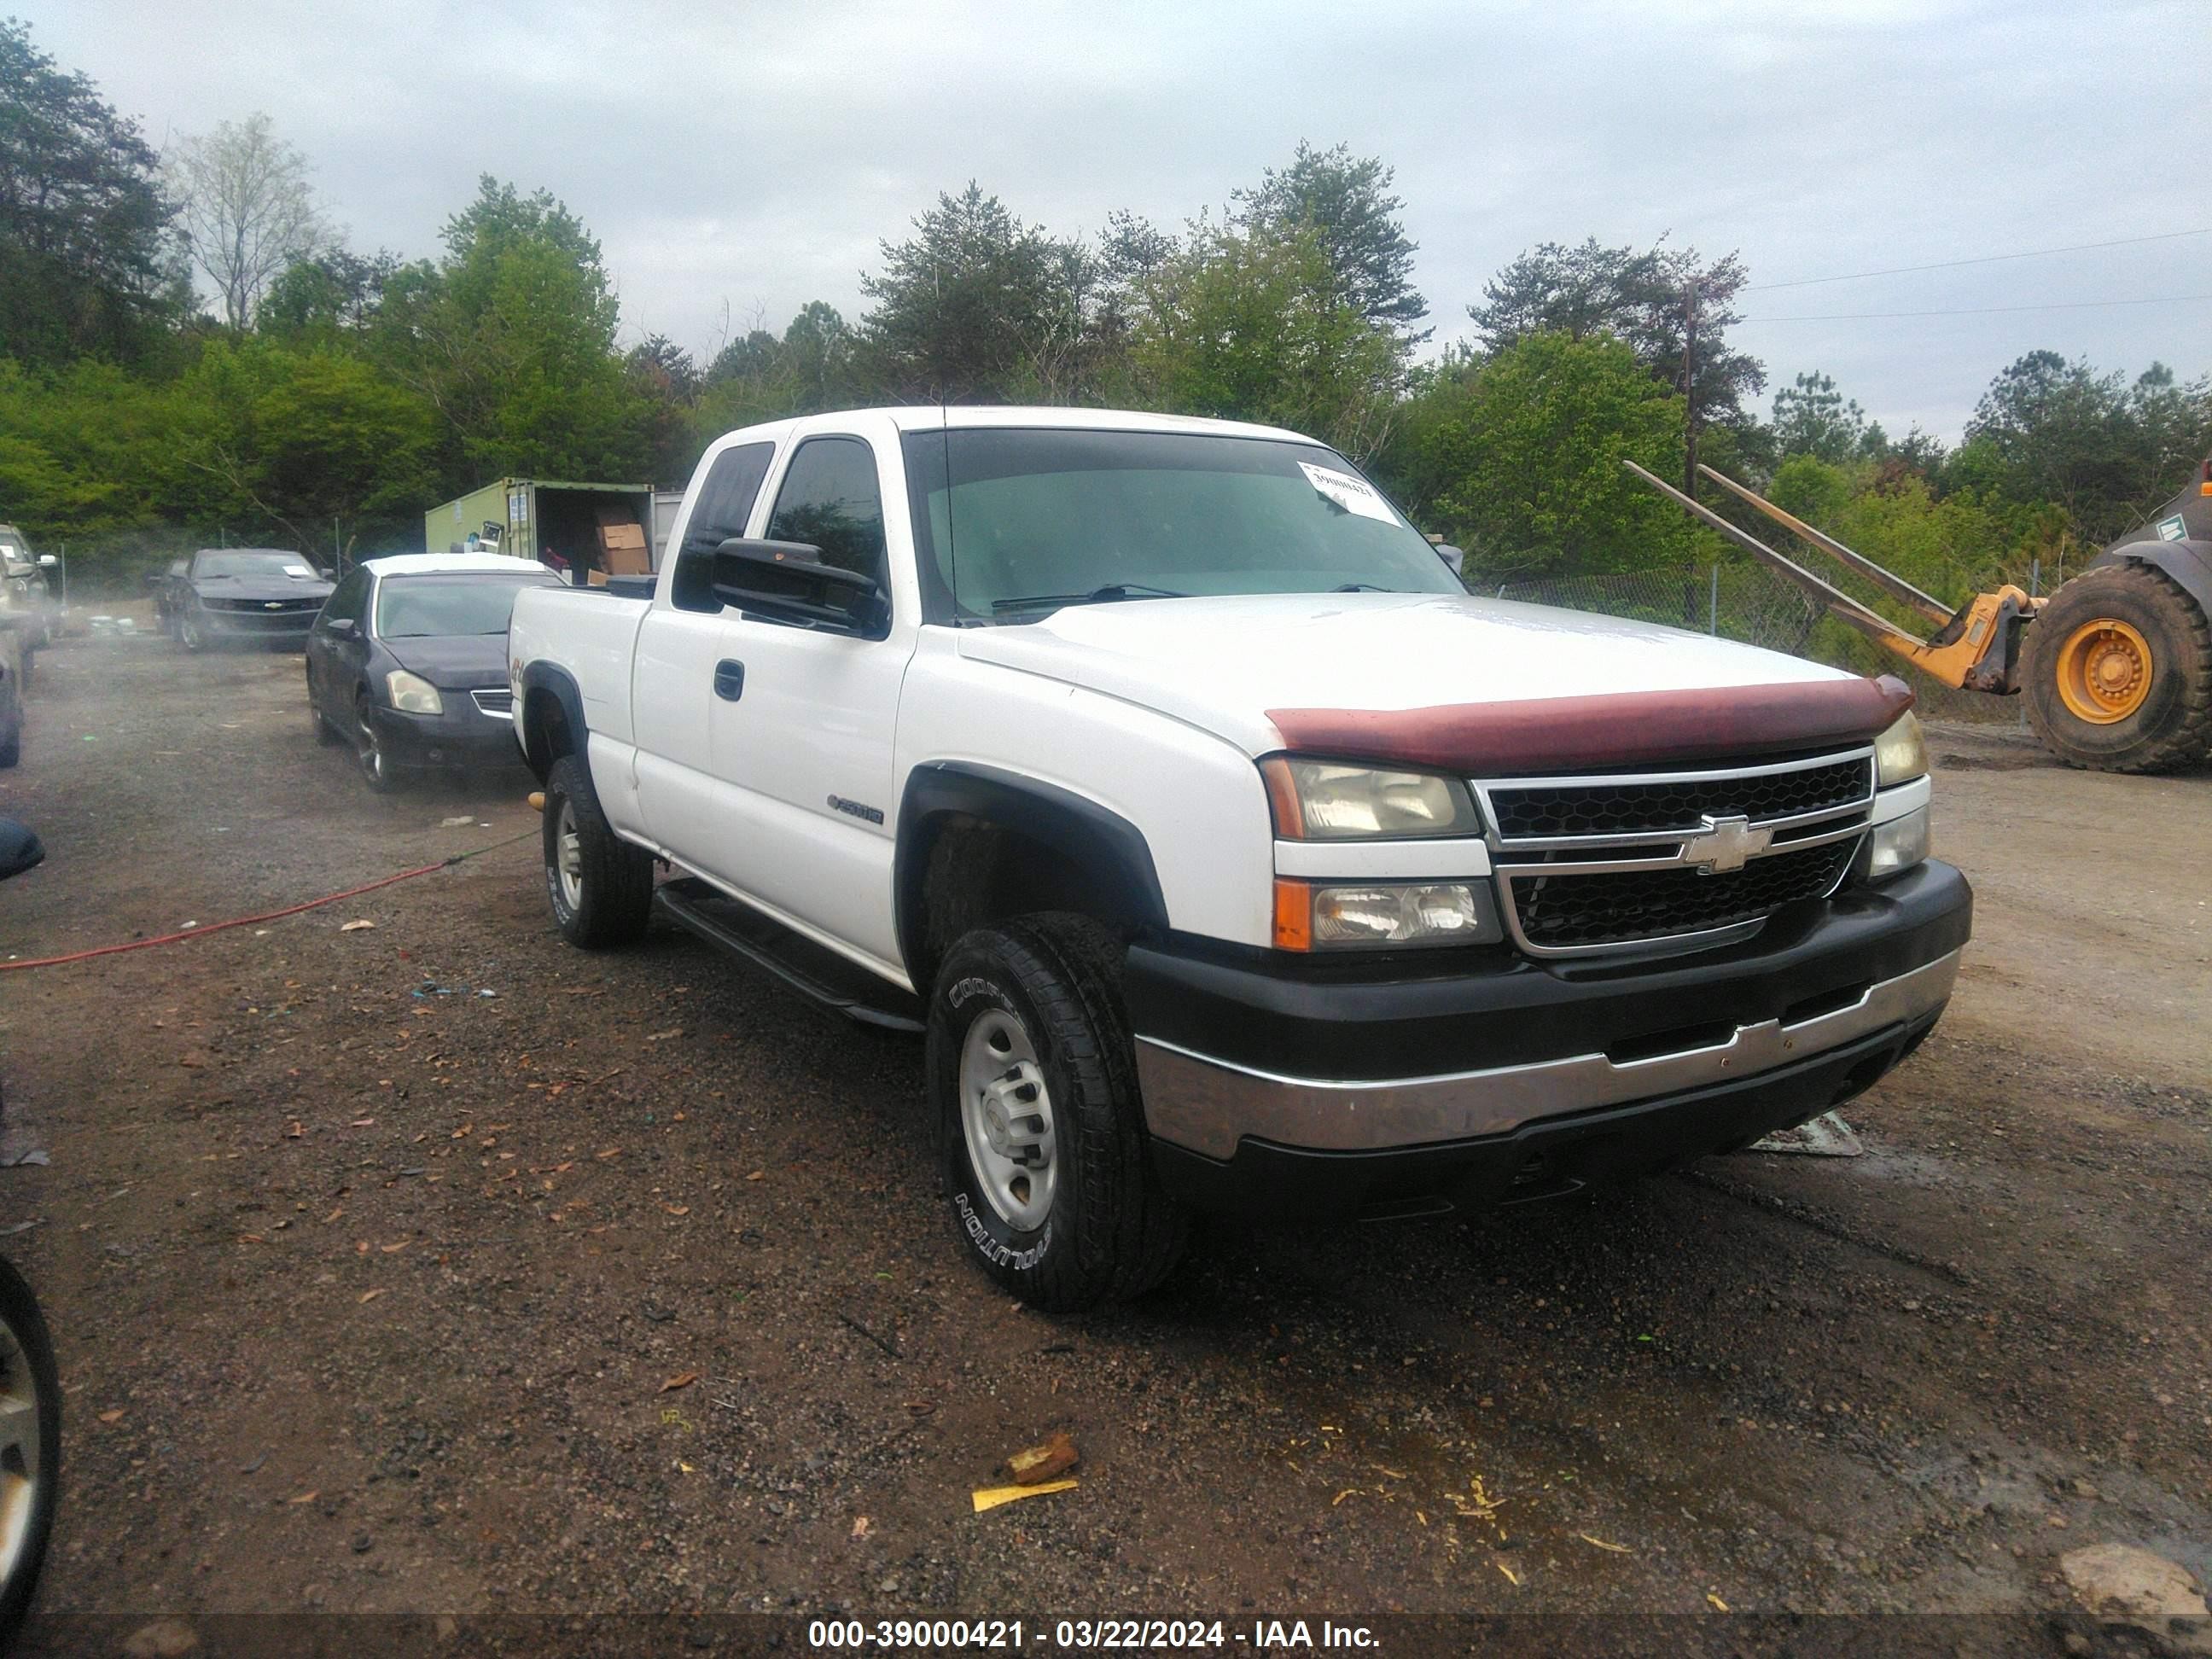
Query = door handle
x=729 y=680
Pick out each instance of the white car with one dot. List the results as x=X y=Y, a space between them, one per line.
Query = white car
x=1230 y=854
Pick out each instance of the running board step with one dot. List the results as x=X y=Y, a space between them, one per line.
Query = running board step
x=811 y=970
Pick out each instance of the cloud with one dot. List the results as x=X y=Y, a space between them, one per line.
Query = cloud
x=753 y=157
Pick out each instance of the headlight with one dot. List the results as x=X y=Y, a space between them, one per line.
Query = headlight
x=1309 y=916
x=411 y=694
x=1320 y=801
x=1896 y=845
x=1901 y=754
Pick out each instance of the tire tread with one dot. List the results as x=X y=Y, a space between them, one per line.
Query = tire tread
x=2186 y=738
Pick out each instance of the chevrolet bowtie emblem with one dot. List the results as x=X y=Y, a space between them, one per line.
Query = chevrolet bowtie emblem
x=1726 y=845
x=273 y=604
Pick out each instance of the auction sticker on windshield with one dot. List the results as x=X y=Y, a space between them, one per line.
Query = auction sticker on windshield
x=1353 y=494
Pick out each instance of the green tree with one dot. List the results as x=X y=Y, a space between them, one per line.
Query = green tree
x=1644 y=298
x=1252 y=325
x=976 y=303
x=1527 y=459
x=511 y=339
x=83 y=267
x=2103 y=449
x=334 y=293
x=312 y=447
x=1811 y=417
x=1346 y=201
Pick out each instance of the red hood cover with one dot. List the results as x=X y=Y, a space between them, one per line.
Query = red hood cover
x=1578 y=734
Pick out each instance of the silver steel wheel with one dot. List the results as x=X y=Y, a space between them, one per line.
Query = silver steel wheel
x=1005 y=1112
x=19 y=1451
x=568 y=844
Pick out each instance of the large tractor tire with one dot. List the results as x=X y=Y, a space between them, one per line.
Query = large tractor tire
x=2119 y=672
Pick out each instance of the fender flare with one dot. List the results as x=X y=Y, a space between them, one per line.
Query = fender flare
x=2187 y=562
x=1095 y=838
x=561 y=685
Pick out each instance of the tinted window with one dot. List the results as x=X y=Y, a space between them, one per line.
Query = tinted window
x=347 y=600
x=447 y=607
x=829 y=500
x=253 y=561
x=1010 y=518
x=726 y=500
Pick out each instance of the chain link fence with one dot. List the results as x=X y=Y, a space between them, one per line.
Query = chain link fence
x=1750 y=603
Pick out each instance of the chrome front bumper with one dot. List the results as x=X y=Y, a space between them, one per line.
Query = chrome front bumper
x=1207 y=1105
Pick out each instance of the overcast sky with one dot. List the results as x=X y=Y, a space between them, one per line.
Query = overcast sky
x=752 y=155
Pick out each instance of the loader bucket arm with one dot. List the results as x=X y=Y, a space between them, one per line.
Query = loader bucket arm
x=1977 y=647
x=1895 y=585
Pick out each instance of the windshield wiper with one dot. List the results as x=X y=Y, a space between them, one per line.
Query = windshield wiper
x=1104 y=595
x=1361 y=587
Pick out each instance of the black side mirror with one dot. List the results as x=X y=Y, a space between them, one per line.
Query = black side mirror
x=19 y=849
x=788 y=581
x=344 y=627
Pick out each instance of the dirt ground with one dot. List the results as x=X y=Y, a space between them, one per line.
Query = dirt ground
x=435 y=1266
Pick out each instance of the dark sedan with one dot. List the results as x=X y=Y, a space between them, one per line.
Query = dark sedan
x=408 y=662
x=227 y=594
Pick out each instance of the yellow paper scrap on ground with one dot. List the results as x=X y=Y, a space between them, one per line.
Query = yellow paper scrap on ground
x=989 y=1497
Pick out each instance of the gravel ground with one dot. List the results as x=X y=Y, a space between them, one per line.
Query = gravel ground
x=627 y=1288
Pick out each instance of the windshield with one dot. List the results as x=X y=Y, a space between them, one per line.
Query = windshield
x=248 y=561
x=444 y=607
x=1030 y=519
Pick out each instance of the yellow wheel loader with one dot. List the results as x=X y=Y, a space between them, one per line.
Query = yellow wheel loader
x=2116 y=666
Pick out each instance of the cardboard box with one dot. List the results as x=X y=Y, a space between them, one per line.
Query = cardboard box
x=622 y=548
x=595 y=578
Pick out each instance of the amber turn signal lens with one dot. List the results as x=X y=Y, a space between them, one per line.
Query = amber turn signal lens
x=1293 y=915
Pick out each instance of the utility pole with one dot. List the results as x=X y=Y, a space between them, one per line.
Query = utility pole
x=1690 y=387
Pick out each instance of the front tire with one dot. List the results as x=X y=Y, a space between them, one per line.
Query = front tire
x=2119 y=672
x=1033 y=1076
x=378 y=769
x=30 y=1448
x=599 y=886
x=190 y=633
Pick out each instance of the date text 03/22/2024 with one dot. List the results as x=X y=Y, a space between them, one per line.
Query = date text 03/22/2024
x=1090 y=1635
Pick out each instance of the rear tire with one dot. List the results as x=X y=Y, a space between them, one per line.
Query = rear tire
x=599 y=886
x=2119 y=672
x=323 y=736
x=30 y=1448
x=1048 y=1171
x=11 y=706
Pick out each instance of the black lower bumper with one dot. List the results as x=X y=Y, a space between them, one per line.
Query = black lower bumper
x=1303 y=1089
x=462 y=737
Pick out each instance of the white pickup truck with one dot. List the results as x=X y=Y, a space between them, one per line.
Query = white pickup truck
x=1229 y=852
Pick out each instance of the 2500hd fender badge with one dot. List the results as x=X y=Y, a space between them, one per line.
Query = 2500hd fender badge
x=853 y=809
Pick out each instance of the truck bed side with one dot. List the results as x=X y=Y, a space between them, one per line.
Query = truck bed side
x=583 y=638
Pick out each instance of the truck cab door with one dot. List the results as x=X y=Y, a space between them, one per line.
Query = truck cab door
x=803 y=730
x=673 y=700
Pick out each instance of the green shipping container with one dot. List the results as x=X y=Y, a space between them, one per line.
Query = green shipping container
x=528 y=518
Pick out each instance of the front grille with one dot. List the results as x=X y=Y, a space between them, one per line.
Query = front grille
x=1603 y=863
x=1605 y=806
x=496 y=701
x=1629 y=907
x=264 y=607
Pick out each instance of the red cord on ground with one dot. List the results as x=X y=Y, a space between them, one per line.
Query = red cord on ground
x=218 y=927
